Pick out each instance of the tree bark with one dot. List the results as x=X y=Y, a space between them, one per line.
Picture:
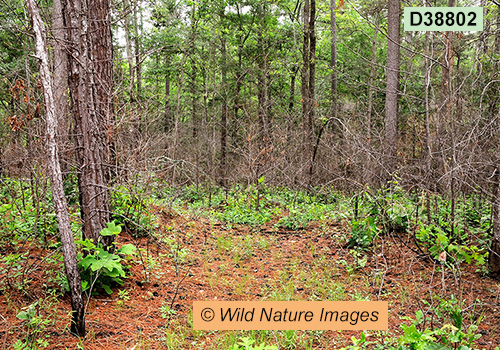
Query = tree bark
x=223 y=130
x=333 y=59
x=262 y=110
x=391 y=99
x=168 y=122
x=308 y=82
x=138 y=59
x=60 y=81
x=128 y=49
x=312 y=66
x=370 y=81
x=61 y=207
x=494 y=257
x=428 y=150
x=90 y=83
x=306 y=134
x=291 y=98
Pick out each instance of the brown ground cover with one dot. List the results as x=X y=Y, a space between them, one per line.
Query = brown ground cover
x=205 y=261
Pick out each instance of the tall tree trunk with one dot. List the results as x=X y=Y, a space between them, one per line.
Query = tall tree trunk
x=391 y=99
x=447 y=100
x=60 y=81
x=333 y=60
x=91 y=86
x=306 y=132
x=102 y=55
x=168 y=121
x=194 y=115
x=192 y=60
x=137 y=18
x=308 y=83
x=312 y=66
x=61 y=207
x=223 y=129
x=370 y=81
x=428 y=150
x=261 y=79
x=291 y=98
x=128 y=49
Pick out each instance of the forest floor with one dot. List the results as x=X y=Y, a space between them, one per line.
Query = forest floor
x=212 y=261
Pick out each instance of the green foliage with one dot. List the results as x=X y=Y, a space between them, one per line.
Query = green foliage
x=70 y=186
x=247 y=343
x=435 y=241
x=363 y=231
x=166 y=311
x=248 y=207
x=391 y=210
x=36 y=321
x=259 y=205
x=360 y=261
x=14 y=268
x=450 y=336
x=131 y=211
x=100 y=269
x=26 y=211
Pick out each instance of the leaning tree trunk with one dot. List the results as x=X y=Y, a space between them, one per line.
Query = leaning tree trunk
x=61 y=207
x=60 y=81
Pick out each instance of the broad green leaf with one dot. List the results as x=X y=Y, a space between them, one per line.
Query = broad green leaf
x=111 y=230
x=107 y=289
x=127 y=249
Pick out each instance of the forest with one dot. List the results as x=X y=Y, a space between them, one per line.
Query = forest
x=156 y=153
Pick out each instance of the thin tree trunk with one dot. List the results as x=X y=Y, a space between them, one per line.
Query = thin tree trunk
x=223 y=131
x=177 y=119
x=306 y=135
x=193 y=71
x=291 y=99
x=168 y=110
x=448 y=101
x=61 y=207
x=391 y=100
x=370 y=81
x=312 y=69
x=261 y=87
x=128 y=49
x=194 y=115
x=428 y=150
x=494 y=257
x=137 y=47
x=497 y=35
x=60 y=81
x=333 y=59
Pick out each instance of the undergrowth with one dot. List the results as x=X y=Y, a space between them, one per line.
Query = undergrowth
x=451 y=240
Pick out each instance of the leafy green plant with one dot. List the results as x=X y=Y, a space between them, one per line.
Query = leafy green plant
x=363 y=231
x=36 y=324
x=101 y=269
x=360 y=261
x=166 y=311
x=436 y=241
x=123 y=296
x=247 y=343
x=133 y=212
x=449 y=336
